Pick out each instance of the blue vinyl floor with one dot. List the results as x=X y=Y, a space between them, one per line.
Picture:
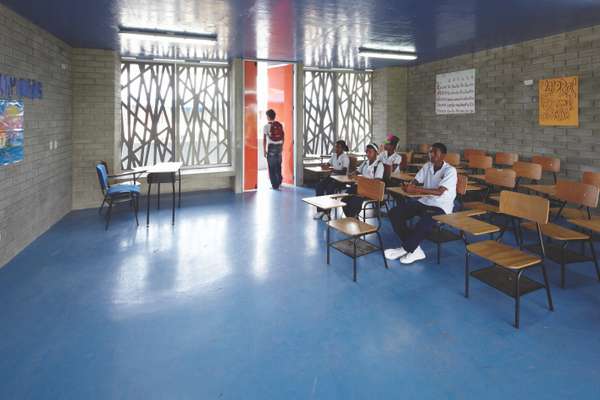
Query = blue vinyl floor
x=236 y=302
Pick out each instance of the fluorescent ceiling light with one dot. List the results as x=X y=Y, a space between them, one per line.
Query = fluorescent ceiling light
x=387 y=54
x=168 y=36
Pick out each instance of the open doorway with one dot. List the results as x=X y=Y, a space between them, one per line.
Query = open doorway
x=267 y=85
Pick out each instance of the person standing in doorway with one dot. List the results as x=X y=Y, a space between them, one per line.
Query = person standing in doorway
x=273 y=137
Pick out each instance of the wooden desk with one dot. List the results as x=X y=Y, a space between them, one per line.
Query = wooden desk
x=477 y=177
x=402 y=176
x=399 y=190
x=159 y=173
x=474 y=188
x=589 y=224
x=343 y=179
x=467 y=224
x=324 y=202
x=549 y=190
x=319 y=170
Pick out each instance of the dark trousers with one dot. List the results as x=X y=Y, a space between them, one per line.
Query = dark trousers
x=354 y=204
x=327 y=186
x=399 y=215
x=274 y=162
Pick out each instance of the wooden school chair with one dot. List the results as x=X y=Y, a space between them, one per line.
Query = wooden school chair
x=495 y=179
x=581 y=212
x=573 y=193
x=506 y=159
x=528 y=172
x=355 y=245
x=453 y=159
x=478 y=164
x=439 y=235
x=549 y=164
x=468 y=153
x=509 y=263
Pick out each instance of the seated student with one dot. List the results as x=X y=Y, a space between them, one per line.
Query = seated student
x=439 y=188
x=371 y=168
x=340 y=162
x=389 y=157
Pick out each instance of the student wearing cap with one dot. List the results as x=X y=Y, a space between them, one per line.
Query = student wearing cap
x=371 y=168
x=389 y=157
x=438 y=187
x=340 y=164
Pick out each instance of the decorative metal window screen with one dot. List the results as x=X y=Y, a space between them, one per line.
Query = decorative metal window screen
x=174 y=112
x=337 y=105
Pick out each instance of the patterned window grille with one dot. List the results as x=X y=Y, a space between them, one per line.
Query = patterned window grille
x=174 y=113
x=337 y=105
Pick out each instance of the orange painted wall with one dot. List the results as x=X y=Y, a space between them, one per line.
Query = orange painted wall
x=281 y=99
x=250 y=121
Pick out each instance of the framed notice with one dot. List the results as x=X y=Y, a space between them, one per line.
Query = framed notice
x=559 y=101
x=455 y=92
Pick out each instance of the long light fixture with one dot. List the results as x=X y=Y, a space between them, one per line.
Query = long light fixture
x=167 y=36
x=387 y=54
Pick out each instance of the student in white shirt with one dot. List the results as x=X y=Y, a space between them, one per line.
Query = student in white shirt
x=438 y=180
x=273 y=137
x=340 y=164
x=371 y=168
x=389 y=157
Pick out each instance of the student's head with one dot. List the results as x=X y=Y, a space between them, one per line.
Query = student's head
x=390 y=143
x=340 y=147
x=437 y=153
x=271 y=115
x=372 y=151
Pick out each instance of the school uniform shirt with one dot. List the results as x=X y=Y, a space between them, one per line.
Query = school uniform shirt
x=394 y=159
x=371 y=171
x=446 y=177
x=340 y=162
x=267 y=132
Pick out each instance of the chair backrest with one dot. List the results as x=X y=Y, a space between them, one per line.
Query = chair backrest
x=423 y=148
x=531 y=208
x=452 y=159
x=353 y=163
x=461 y=184
x=549 y=164
x=506 y=158
x=372 y=189
x=578 y=193
x=468 y=153
x=480 y=162
x=591 y=178
x=102 y=176
x=528 y=170
x=506 y=178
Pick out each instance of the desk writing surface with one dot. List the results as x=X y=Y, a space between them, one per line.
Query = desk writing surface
x=549 y=190
x=467 y=224
x=591 y=224
x=324 y=202
x=343 y=178
x=318 y=169
x=400 y=190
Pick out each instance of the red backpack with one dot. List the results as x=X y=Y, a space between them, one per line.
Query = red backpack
x=276 y=132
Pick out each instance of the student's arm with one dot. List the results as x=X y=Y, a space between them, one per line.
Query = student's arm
x=417 y=181
x=449 y=181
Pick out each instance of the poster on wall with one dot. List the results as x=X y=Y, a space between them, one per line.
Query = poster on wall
x=11 y=131
x=455 y=92
x=559 y=101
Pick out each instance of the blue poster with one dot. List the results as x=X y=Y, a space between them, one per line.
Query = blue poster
x=11 y=131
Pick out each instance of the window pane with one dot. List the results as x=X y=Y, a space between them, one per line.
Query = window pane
x=147 y=133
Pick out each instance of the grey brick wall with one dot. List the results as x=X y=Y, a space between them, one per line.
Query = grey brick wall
x=36 y=193
x=506 y=116
x=96 y=120
x=389 y=104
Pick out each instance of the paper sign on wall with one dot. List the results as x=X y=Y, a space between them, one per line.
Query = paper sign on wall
x=11 y=131
x=455 y=92
x=559 y=101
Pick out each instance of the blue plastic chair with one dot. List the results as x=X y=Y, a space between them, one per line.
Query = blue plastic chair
x=117 y=194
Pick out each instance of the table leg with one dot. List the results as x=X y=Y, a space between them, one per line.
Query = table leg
x=148 y=206
x=158 y=197
x=179 y=205
x=173 y=216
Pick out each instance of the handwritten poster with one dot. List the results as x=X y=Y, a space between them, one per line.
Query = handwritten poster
x=11 y=131
x=559 y=101
x=455 y=92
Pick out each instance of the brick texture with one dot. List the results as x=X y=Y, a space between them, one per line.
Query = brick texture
x=506 y=116
x=36 y=193
x=96 y=120
x=389 y=104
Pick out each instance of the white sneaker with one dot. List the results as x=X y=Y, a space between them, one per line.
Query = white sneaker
x=394 y=254
x=326 y=217
x=416 y=255
x=318 y=215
